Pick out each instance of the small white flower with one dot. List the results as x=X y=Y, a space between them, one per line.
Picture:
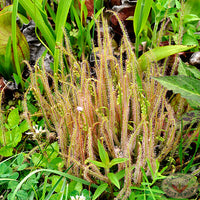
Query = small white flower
x=78 y=197
x=81 y=197
x=79 y=108
x=29 y=133
x=37 y=130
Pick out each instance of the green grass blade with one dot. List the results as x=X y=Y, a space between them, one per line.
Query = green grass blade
x=53 y=189
x=66 y=191
x=51 y=12
x=44 y=188
x=78 y=21
x=45 y=29
x=71 y=177
x=191 y=161
x=14 y=40
x=141 y=14
x=62 y=12
x=180 y=149
x=63 y=188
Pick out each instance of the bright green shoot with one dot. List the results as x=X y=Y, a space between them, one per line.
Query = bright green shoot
x=146 y=185
x=107 y=164
x=141 y=14
x=105 y=161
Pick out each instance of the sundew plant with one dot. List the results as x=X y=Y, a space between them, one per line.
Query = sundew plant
x=101 y=124
x=126 y=110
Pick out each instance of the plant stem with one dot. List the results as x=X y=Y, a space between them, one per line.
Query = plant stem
x=137 y=46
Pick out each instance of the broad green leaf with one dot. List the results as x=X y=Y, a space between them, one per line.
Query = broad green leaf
x=6 y=151
x=21 y=194
x=183 y=69
x=113 y=178
x=20 y=159
x=39 y=160
x=194 y=104
x=194 y=71
x=78 y=21
x=192 y=7
x=98 y=164
x=99 y=190
x=13 y=118
x=150 y=168
x=189 y=40
x=103 y=154
x=121 y=173
x=22 y=167
x=188 y=87
x=16 y=78
x=31 y=108
x=62 y=12
x=21 y=17
x=117 y=161
x=52 y=151
x=141 y=14
x=84 y=11
x=13 y=137
x=159 y=53
x=2 y=138
x=98 y=4
x=24 y=126
x=188 y=18
x=186 y=70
